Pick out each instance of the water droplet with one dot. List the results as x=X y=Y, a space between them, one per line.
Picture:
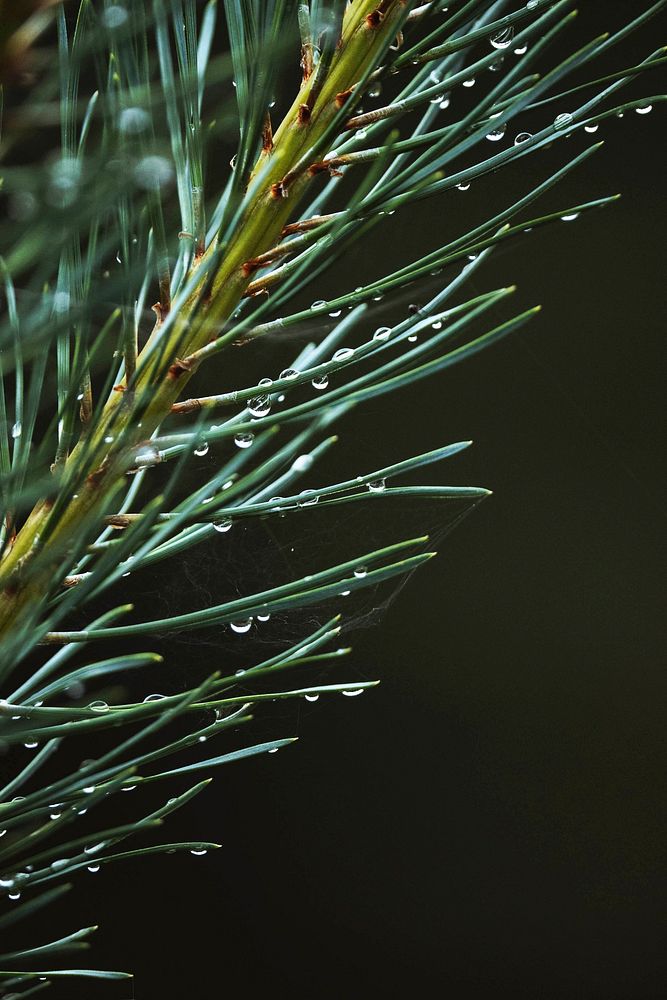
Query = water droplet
x=274 y=750
x=61 y=301
x=109 y=439
x=335 y=313
x=289 y=373
x=132 y=121
x=17 y=430
x=201 y=449
x=470 y=82
x=14 y=895
x=645 y=109
x=444 y=104
x=224 y=524
x=259 y=406
x=374 y=90
x=343 y=354
x=463 y=186
x=242 y=626
x=496 y=133
x=307 y=499
x=437 y=325
x=31 y=745
x=318 y=304
x=128 y=788
x=312 y=697
x=244 y=439
x=413 y=338
x=65 y=175
x=239 y=673
x=264 y=617
x=56 y=810
x=302 y=463
x=146 y=456
x=153 y=172
x=199 y=852
x=94 y=848
x=360 y=572
x=88 y=790
x=353 y=693
x=532 y=4
x=563 y=120
x=93 y=869
x=154 y=697
x=98 y=706
x=591 y=128
x=320 y=381
x=114 y=16
x=521 y=50
x=377 y=485
x=503 y=39
x=570 y=217
x=360 y=133
x=523 y=137
x=60 y=863
x=382 y=333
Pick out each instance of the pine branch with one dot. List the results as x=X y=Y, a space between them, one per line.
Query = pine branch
x=94 y=236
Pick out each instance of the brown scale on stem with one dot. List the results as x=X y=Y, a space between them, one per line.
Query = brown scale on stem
x=267 y=135
x=306 y=61
x=306 y=224
x=180 y=367
x=343 y=97
x=187 y=406
x=250 y=266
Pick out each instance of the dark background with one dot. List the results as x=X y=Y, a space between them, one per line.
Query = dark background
x=490 y=820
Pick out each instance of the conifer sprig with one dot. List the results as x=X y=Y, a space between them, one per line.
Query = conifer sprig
x=133 y=107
